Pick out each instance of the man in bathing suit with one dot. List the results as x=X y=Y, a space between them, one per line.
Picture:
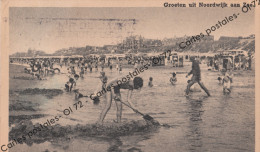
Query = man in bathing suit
x=130 y=85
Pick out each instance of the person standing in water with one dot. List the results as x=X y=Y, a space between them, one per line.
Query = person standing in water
x=196 y=77
x=173 y=79
x=111 y=67
x=96 y=65
x=120 y=68
x=90 y=67
x=150 y=83
x=102 y=66
x=117 y=68
x=103 y=79
x=226 y=82
x=82 y=71
x=114 y=93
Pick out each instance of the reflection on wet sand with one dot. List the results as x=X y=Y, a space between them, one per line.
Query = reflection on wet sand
x=129 y=144
x=195 y=133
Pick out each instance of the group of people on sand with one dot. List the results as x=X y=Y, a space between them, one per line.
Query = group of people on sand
x=41 y=68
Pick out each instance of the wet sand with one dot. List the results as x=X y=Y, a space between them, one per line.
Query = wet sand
x=23 y=112
x=20 y=84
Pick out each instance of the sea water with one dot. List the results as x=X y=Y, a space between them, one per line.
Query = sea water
x=220 y=122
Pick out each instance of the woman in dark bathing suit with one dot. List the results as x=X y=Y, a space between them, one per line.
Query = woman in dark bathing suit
x=113 y=91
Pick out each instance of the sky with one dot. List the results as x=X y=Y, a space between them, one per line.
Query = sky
x=51 y=29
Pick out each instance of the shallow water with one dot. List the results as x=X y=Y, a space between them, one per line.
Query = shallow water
x=198 y=123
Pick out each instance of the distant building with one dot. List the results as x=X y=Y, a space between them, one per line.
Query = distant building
x=131 y=42
x=208 y=38
x=226 y=38
x=169 y=41
x=176 y=41
x=252 y=36
x=138 y=42
x=152 y=43
x=109 y=47
x=233 y=52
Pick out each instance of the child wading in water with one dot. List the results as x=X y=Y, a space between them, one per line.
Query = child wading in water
x=120 y=68
x=226 y=81
x=82 y=71
x=150 y=84
x=173 y=79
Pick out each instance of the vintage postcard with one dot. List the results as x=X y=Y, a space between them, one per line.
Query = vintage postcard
x=129 y=76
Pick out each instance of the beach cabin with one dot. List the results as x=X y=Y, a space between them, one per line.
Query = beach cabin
x=238 y=58
x=227 y=62
x=109 y=58
x=186 y=57
x=237 y=52
x=120 y=57
x=102 y=58
x=241 y=62
x=156 y=58
x=177 y=60
x=74 y=59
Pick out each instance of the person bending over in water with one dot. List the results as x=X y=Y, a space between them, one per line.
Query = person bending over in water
x=173 y=79
x=77 y=94
x=150 y=84
x=71 y=83
x=196 y=77
x=114 y=92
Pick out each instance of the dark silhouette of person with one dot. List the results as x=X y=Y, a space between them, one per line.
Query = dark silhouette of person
x=196 y=77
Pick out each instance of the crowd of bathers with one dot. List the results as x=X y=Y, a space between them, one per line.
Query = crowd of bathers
x=39 y=68
x=111 y=89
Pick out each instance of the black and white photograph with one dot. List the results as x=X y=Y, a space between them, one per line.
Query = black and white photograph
x=173 y=78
